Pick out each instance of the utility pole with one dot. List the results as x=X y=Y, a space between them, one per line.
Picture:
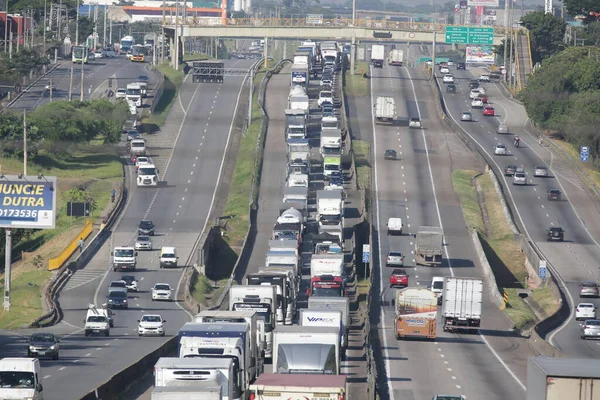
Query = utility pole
x=162 y=44
x=104 y=35
x=77 y=25
x=176 y=56
x=59 y=18
x=45 y=16
x=51 y=90
x=24 y=142
x=6 y=27
x=81 y=90
x=110 y=32
x=71 y=85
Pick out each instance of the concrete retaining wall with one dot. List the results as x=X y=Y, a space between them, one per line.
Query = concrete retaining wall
x=487 y=270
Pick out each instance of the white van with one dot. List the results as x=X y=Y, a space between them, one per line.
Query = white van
x=21 y=379
x=437 y=287
x=168 y=257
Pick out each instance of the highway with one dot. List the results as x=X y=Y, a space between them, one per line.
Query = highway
x=575 y=259
x=418 y=189
x=179 y=209
x=96 y=74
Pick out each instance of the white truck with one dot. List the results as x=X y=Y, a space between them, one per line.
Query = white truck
x=377 y=55
x=553 y=378
x=298 y=149
x=285 y=259
x=250 y=317
x=327 y=275
x=124 y=258
x=299 y=386
x=147 y=175
x=300 y=74
x=316 y=317
x=331 y=142
x=341 y=304
x=137 y=147
x=298 y=99
x=224 y=341
x=97 y=321
x=298 y=166
x=200 y=391
x=329 y=122
x=261 y=299
x=292 y=215
x=394 y=226
x=286 y=281
x=396 y=57
x=21 y=379
x=134 y=94
x=297 y=195
x=461 y=303
x=429 y=246
x=296 y=120
x=284 y=245
x=330 y=207
x=385 y=110
x=194 y=372
x=306 y=349
x=297 y=180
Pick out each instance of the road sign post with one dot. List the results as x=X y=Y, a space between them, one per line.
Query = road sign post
x=366 y=256
x=543 y=269
x=584 y=153
x=469 y=35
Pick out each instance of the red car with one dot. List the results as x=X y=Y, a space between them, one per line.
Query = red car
x=483 y=98
x=399 y=278
x=489 y=111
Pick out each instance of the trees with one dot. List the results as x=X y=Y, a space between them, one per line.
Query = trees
x=546 y=34
x=587 y=8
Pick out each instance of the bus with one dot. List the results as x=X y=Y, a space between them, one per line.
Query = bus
x=80 y=54
x=126 y=43
x=138 y=53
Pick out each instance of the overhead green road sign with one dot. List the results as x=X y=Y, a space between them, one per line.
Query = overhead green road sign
x=469 y=35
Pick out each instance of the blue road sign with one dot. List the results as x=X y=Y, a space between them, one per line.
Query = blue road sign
x=584 y=152
x=542 y=270
x=27 y=201
x=366 y=253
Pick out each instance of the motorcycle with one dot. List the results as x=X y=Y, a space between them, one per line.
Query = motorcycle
x=516 y=143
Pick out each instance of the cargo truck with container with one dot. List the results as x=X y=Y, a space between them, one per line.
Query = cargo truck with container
x=300 y=75
x=225 y=341
x=250 y=317
x=297 y=180
x=416 y=313
x=330 y=207
x=429 y=246
x=286 y=282
x=326 y=275
x=206 y=390
x=284 y=245
x=331 y=142
x=298 y=99
x=461 y=303
x=300 y=155
x=322 y=317
x=385 y=110
x=396 y=57
x=296 y=195
x=377 y=55
x=330 y=122
x=299 y=386
x=282 y=259
x=288 y=231
x=195 y=372
x=557 y=378
x=306 y=349
x=295 y=123
x=341 y=304
x=331 y=163
x=326 y=243
x=263 y=300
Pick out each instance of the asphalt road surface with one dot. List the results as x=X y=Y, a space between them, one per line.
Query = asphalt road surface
x=179 y=209
x=575 y=259
x=418 y=188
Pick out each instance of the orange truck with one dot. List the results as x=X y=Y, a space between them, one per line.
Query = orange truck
x=416 y=313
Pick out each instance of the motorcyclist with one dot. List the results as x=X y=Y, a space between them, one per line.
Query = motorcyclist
x=517 y=141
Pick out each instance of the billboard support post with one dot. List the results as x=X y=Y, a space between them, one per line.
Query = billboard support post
x=7 y=261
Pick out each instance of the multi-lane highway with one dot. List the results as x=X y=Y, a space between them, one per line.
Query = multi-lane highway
x=179 y=209
x=575 y=259
x=95 y=80
x=418 y=189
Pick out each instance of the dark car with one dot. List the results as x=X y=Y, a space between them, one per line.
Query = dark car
x=510 y=170
x=474 y=84
x=143 y=78
x=337 y=175
x=117 y=299
x=390 y=154
x=146 y=227
x=451 y=88
x=555 y=233
x=554 y=194
x=461 y=66
x=43 y=345
x=132 y=134
x=327 y=109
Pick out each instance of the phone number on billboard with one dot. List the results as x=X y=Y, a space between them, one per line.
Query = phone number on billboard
x=8 y=213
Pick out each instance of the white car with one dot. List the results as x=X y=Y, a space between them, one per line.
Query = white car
x=450 y=63
x=162 y=291
x=151 y=324
x=484 y=77
x=474 y=93
x=519 y=178
x=466 y=116
x=121 y=93
x=445 y=70
x=437 y=287
x=141 y=160
x=585 y=311
x=325 y=96
x=414 y=123
x=477 y=103
x=326 y=82
x=481 y=90
x=98 y=55
x=500 y=150
x=448 y=78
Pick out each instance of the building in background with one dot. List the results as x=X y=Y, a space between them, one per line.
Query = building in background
x=19 y=25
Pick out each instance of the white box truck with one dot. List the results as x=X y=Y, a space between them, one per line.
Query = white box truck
x=385 y=110
x=322 y=317
x=396 y=57
x=554 y=378
x=124 y=258
x=306 y=349
x=341 y=304
x=286 y=281
x=299 y=386
x=377 y=55
x=330 y=207
x=21 y=379
x=461 y=303
x=200 y=391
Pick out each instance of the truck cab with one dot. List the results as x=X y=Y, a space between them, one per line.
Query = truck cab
x=286 y=282
x=327 y=275
x=137 y=147
x=124 y=258
x=20 y=378
x=147 y=175
x=134 y=94
x=97 y=321
x=296 y=121
x=331 y=163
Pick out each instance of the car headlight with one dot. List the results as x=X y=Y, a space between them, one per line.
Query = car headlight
x=31 y=347
x=124 y=301
x=52 y=347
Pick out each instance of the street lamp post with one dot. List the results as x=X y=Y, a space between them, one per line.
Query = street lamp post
x=76 y=25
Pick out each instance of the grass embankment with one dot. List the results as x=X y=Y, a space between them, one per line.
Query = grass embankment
x=503 y=252
x=97 y=169
x=202 y=288
x=357 y=85
x=573 y=151
x=172 y=82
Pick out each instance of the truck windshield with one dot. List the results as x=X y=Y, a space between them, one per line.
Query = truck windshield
x=147 y=171
x=438 y=285
x=329 y=124
x=124 y=253
x=140 y=145
x=96 y=318
x=330 y=219
x=332 y=167
x=16 y=380
x=330 y=150
x=134 y=92
x=327 y=292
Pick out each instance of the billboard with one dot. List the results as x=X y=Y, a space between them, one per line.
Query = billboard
x=480 y=55
x=486 y=3
x=27 y=201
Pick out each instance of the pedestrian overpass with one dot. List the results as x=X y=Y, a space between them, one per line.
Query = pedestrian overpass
x=366 y=30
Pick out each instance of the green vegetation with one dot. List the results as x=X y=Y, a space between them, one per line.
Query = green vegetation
x=202 y=289
x=588 y=9
x=362 y=157
x=357 y=84
x=21 y=63
x=244 y=176
x=171 y=85
x=502 y=251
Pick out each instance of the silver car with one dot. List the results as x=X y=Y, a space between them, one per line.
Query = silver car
x=394 y=259
x=502 y=128
x=540 y=172
x=590 y=329
x=143 y=243
x=466 y=116
x=519 y=178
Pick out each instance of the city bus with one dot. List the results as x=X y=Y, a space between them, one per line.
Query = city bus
x=126 y=43
x=80 y=54
x=138 y=53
